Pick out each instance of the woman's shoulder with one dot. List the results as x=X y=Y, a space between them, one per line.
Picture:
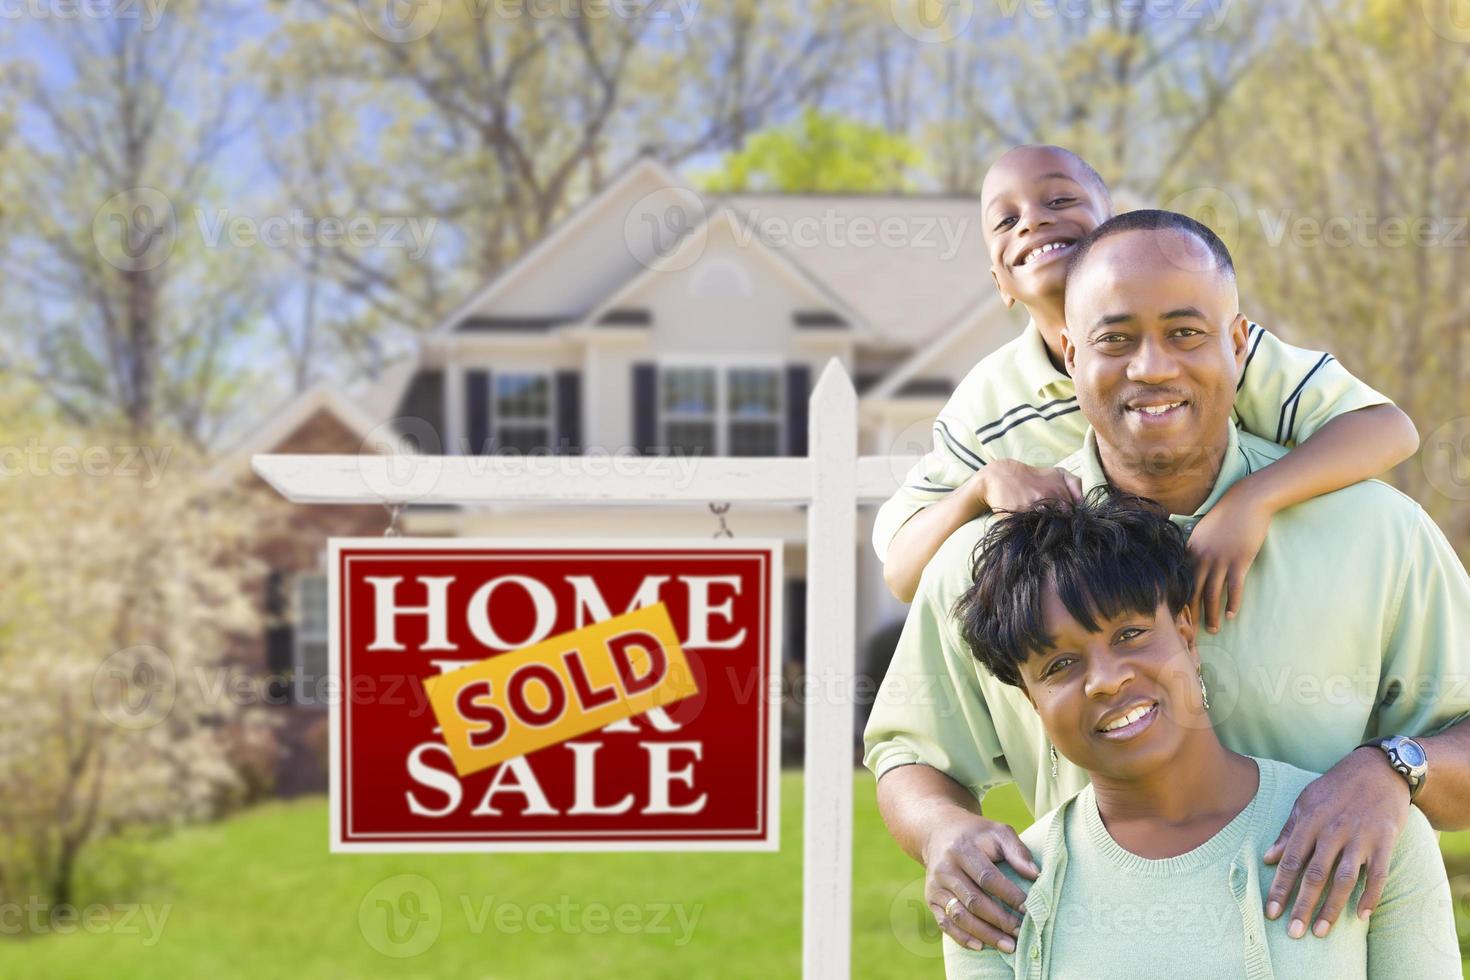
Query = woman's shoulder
x=1048 y=834
x=1281 y=784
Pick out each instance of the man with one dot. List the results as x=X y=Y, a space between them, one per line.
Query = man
x=1355 y=625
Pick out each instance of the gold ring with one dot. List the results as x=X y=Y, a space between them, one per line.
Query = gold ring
x=950 y=905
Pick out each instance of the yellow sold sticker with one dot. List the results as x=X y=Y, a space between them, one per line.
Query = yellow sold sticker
x=517 y=702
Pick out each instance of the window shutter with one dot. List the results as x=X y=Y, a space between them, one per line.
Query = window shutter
x=794 y=613
x=645 y=409
x=477 y=412
x=568 y=413
x=798 y=391
x=279 y=648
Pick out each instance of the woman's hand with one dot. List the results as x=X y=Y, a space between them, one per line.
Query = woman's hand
x=1224 y=545
x=960 y=860
x=1011 y=485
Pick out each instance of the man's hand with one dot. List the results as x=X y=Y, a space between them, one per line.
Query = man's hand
x=960 y=862
x=1349 y=817
x=1009 y=484
x=1224 y=544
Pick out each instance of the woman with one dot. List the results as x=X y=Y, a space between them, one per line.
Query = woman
x=1155 y=869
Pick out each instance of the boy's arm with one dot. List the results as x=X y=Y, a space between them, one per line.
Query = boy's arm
x=1340 y=430
x=1349 y=448
x=1004 y=484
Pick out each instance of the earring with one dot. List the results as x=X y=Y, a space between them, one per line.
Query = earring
x=1203 y=693
x=1053 y=762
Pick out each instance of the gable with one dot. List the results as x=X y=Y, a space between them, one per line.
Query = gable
x=593 y=251
x=724 y=288
x=320 y=432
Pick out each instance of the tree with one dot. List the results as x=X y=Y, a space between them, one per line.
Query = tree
x=1350 y=232
x=120 y=126
x=124 y=583
x=821 y=152
x=494 y=120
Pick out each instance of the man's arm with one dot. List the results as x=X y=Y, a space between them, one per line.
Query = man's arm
x=1445 y=798
x=938 y=823
x=1351 y=817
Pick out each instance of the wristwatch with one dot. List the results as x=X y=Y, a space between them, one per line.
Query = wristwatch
x=1407 y=758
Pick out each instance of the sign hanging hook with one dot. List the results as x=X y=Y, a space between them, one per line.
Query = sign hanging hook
x=394 y=510
x=720 y=510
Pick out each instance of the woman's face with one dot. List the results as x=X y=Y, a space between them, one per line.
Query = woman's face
x=1122 y=700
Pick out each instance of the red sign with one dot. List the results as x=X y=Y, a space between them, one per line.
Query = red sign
x=696 y=771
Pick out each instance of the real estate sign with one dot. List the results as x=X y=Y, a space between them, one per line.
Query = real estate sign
x=498 y=695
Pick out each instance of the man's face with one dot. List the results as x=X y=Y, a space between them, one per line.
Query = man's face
x=1034 y=197
x=1119 y=701
x=1155 y=343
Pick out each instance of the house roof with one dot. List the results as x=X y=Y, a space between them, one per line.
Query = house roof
x=721 y=219
x=908 y=264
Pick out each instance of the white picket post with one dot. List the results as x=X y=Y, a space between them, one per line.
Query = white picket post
x=831 y=559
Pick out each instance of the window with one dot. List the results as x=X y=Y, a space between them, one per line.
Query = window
x=734 y=411
x=311 y=639
x=522 y=413
x=688 y=408
x=754 y=404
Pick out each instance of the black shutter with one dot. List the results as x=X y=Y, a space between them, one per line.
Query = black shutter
x=798 y=391
x=276 y=603
x=477 y=412
x=795 y=615
x=645 y=409
x=568 y=413
x=279 y=639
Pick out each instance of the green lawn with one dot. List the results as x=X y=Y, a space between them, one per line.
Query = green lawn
x=259 y=896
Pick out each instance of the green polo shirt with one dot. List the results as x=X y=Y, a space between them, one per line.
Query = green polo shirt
x=1355 y=623
x=1015 y=404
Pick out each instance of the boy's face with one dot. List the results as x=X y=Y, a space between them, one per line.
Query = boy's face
x=1035 y=196
x=1138 y=666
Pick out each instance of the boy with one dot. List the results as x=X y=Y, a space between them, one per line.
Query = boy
x=1015 y=415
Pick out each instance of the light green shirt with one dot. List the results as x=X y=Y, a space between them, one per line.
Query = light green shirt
x=1014 y=404
x=1098 y=910
x=1355 y=623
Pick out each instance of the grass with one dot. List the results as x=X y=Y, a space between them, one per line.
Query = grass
x=259 y=896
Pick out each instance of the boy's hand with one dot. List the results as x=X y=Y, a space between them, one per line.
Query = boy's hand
x=1225 y=543
x=1009 y=484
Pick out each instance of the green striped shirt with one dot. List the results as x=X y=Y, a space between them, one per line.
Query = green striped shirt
x=1015 y=404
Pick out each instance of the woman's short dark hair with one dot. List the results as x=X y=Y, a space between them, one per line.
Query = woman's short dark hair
x=1110 y=554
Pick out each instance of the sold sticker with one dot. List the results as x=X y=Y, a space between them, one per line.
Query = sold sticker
x=576 y=682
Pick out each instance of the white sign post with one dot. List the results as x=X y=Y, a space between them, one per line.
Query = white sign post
x=831 y=482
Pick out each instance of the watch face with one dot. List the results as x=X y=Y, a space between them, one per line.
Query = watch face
x=1411 y=753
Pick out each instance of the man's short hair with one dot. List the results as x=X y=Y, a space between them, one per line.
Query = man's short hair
x=1149 y=219
x=1110 y=554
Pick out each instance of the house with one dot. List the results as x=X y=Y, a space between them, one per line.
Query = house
x=657 y=320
